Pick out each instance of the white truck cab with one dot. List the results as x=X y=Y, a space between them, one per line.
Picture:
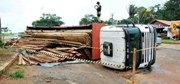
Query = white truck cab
x=118 y=43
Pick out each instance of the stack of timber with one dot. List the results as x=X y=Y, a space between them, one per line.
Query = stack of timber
x=70 y=43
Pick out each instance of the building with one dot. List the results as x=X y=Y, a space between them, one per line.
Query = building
x=163 y=27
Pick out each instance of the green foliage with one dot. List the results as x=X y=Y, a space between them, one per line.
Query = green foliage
x=172 y=7
x=134 y=19
x=1 y=43
x=88 y=19
x=170 y=41
x=144 y=15
x=132 y=10
x=169 y=11
x=125 y=21
x=112 y=22
x=140 y=15
x=48 y=20
x=17 y=74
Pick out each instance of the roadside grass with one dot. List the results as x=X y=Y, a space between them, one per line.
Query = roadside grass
x=17 y=74
x=170 y=41
x=7 y=34
x=5 y=72
x=5 y=54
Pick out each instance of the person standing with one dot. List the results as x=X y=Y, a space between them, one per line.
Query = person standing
x=98 y=9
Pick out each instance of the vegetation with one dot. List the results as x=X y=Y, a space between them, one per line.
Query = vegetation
x=132 y=11
x=1 y=43
x=4 y=72
x=112 y=21
x=17 y=74
x=140 y=15
x=170 y=41
x=169 y=11
x=5 y=54
x=88 y=19
x=48 y=20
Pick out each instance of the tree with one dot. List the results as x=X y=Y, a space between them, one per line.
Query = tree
x=112 y=21
x=48 y=20
x=132 y=11
x=140 y=15
x=173 y=9
x=144 y=15
x=169 y=11
x=88 y=19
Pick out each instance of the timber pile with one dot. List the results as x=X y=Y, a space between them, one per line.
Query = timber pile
x=70 y=44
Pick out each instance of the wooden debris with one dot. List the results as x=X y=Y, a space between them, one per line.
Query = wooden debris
x=65 y=48
x=21 y=61
x=29 y=61
x=69 y=43
x=59 y=52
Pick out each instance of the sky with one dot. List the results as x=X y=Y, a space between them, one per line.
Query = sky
x=18 y=14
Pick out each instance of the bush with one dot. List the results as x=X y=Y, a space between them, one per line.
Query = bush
x=166 y=37
x=1 y=43
x=17 y=74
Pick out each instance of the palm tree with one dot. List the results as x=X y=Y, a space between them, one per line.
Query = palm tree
x=132 y=11
x=145 y=16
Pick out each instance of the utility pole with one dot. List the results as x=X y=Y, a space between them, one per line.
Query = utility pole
x=0 y=25
x=138 y=17
x=0 y=29
x=112 y=18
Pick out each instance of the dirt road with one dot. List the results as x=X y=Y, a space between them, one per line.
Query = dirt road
x=166 y=70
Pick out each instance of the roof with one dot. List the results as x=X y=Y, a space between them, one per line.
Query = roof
x=165 y=22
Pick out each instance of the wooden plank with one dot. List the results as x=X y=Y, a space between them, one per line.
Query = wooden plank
x=65 y=48
x=59 y=52
x=28 y=60
x=36 y=59
x=48 y=58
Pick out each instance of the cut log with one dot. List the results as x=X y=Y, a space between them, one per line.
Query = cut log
x=49 y=59
x=50 y=53
x=75 y=37
x=78 y=54
x=29 y=61
x=64 y=48
x=57 y=57
x=21 y=61
x=58 y=52
x=36 y=59
x=72 y=51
